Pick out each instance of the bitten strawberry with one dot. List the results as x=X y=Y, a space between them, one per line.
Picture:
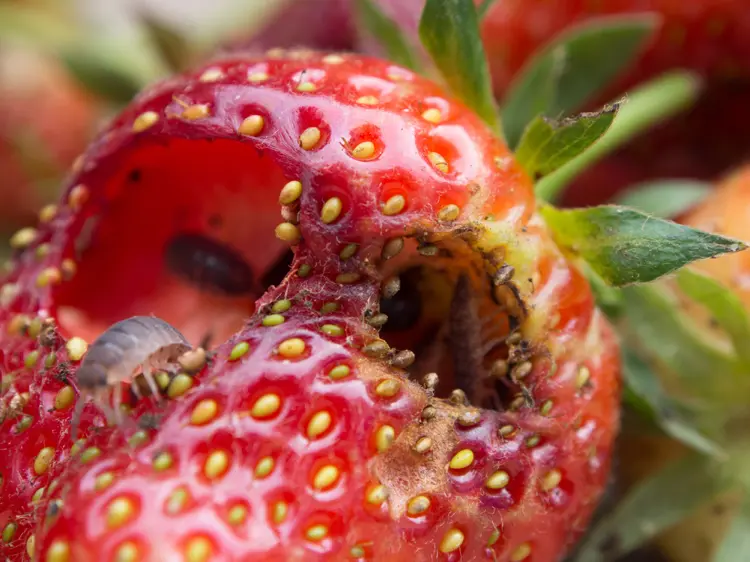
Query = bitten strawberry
x=412 y=227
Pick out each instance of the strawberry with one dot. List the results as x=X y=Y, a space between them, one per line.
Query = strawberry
x=308 y=436
x=46 y=119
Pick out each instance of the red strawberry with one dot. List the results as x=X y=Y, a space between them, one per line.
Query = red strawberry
x=384 y=178
x=45 y=122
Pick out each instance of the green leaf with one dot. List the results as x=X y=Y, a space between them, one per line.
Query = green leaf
x=173 y=47
x=625 y=246
x=546 y=144
x=387 y=33
x=574 y=66
x=723 y=304
x=101 y=74
x=665 y=198
x=644 y=383
x=449 y=30
x=647 y=106
x=656 y=504
x=736 y=543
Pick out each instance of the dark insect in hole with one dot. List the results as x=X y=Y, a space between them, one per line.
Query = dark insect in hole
x=404 y=309
x=210 y=265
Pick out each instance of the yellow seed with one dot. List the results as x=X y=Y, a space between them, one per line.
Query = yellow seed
x=288 y=232
x=392 y=248
x=498 y=480
x=216 y=465
x=551 y=480
x=377 y=494
x=339 y=372
x=257 y=77
x=494 y=537
x=533 y=441
x=38 y=495
x=357 y=551
x=47 y=213
x=64 y=397
x=31 y=546
x=197 y=111
x=384 y=437
x=449 y=213
x=23 y=238
x=198 y=549
x=329 y=307
x=506 y=430
x=78 y=196
x=347 y=278
x=394 y=205
x=367 y=100
x=463 y=459
x=318 y=424
x=179 y=385
x=582 y=377
x=76 y=348
x=89 y=454
x=119 y=512
x=68 y=268
x=138 y=438
x=237 y=515
x=43 y=460
x=177 y=501
x=292 y=348
x=9 y=531
x=452 y=541
x=432 y=115
x=306 y=87
x=251 y=126
x=127 y=552
x=290 y=192
x=316 y=533
x=239 y=350
x=266 y=406
x=438 y=161
x=204 y=411
x=59 y=551
x=103 y=481
x=162 y=380
x=211 y=75
x=264 y=467
x=279 y=510
x=418 y=505
x=48 y=276
x=272 y=320
x=348 y=251
x=332 y=330
x=281 y=306
x=333 y=59
x=364 y=150
x=162 y=461
x=331 y=210
x=325 y=477
x=422 y=445
x=144 y=121
x=546 y=407
x=522 y=552
x=388 y=388
x=309 y=138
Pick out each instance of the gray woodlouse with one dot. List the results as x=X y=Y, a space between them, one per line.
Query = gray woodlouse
x=209 y=265
x=141 y=341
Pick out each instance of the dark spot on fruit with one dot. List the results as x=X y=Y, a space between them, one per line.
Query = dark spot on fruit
x=134 y=176
x=405 y=308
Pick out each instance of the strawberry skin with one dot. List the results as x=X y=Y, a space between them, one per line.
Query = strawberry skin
x=381 y=177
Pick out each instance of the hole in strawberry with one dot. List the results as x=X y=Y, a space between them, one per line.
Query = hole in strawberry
x=170 y=236
x=446 y=312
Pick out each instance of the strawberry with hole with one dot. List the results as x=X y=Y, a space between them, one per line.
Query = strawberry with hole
x=416 y=249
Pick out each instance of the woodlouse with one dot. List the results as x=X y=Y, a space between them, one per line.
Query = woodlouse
x=209 y=264
x=144 y=342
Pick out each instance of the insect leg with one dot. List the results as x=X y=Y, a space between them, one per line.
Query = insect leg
x=150 y=381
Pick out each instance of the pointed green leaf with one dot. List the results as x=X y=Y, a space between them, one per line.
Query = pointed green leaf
x=573 y=67
x=546 y=144
x=644 y=383
x=173 y=47
x=626 y=246
x=657 y=503
x=666 y=198
x=725 y=307
x=387 y=33
x=449 y=30
x=647 y=106
x=736 y=543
